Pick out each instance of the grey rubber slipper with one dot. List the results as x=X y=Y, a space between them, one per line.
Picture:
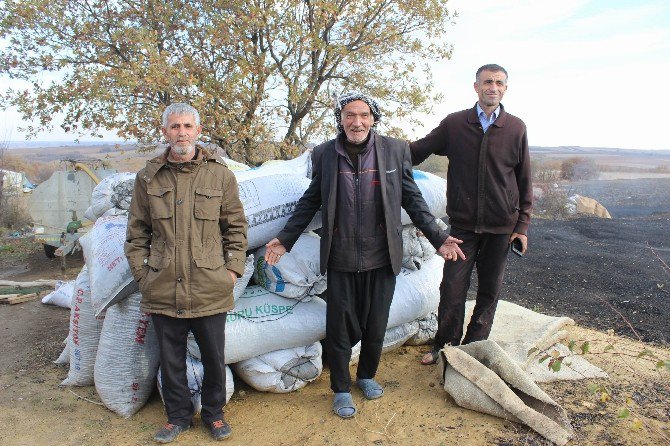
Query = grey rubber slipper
x=370 y=388
x=343 y=405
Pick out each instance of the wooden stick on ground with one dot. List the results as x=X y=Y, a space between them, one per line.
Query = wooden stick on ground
x=19 y=285
x=13 y=299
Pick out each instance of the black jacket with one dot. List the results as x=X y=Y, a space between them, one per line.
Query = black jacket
x=398 y=189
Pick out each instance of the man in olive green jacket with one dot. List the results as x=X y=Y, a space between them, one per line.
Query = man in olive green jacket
x=186 y=244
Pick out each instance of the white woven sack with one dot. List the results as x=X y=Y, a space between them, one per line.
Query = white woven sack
x=62 y=295
x=64 y=357
x=297 y=275
x=415 y=246
x=85 y=329
x=263 y=322
x=434 y=192
x=427 y=330
x=195 y=373
x=128 y=358
x=233 y=165
x=282 y=371
x=417 y=293
x=393 y=338
x=268 y=203
x=111 y=279
x=301 y=165
x=242 y=282
x=113 y=191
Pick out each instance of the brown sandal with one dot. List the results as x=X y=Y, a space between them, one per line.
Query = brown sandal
x=430 y=358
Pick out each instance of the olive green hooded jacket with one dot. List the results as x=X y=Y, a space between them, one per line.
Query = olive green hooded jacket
x=186 y=230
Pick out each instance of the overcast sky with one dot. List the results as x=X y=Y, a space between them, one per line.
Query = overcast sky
x=582 y=72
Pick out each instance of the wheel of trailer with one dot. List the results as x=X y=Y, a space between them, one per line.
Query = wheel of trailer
x=49 y=250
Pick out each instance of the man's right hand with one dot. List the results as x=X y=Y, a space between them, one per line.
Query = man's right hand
x=274 y=251
x=450 y=249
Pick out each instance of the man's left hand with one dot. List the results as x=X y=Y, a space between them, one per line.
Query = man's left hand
x=233 y=276
x=523 y=238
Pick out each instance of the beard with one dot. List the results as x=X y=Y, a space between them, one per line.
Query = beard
x=182 y=149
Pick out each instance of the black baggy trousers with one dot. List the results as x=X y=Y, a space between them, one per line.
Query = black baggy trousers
x=489 y=252
x=209 y=332
x=358 y=310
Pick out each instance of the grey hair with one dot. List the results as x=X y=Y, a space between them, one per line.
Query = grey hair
x=491 y=67
x=180 y=108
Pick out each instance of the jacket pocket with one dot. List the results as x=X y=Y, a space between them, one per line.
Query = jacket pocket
x=157 y=267
x=161 y=202
x=207 y=203
x=212 y=262
x=209 y=256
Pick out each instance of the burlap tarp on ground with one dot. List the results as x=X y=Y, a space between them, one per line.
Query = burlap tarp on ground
x=526 y=336
x=482 y=377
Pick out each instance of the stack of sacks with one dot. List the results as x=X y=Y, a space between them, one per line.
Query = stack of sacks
x=272 y=341
x=297 y=275
x=417 y=293
x=263 y=322
x=234 y=165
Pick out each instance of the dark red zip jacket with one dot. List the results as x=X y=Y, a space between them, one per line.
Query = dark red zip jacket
x=489 y=188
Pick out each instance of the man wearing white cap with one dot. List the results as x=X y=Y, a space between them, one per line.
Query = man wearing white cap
x=360 y=182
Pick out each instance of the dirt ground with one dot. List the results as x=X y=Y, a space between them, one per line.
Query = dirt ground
x=608 y=275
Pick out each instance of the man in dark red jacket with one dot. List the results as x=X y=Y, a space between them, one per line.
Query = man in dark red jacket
x=489 y=200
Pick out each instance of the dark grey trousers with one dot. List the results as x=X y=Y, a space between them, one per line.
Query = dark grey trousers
x=209 y=332
x=358 y=310
x=489 y=253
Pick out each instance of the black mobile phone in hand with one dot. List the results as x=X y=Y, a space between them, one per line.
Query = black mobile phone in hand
x=516 y=247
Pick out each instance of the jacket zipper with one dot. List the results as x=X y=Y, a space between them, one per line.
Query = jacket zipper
x=359 y=211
